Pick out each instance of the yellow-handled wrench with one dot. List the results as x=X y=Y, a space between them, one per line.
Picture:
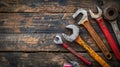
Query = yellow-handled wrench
x=75 y=36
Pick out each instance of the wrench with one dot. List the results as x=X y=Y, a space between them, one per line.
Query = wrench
x=75 y=37
x=106 y=32
x=74 y=63
x=58 y=40
x=85 y=22
x=111 y=13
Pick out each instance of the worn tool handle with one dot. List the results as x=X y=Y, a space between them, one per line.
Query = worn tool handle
x=97 y=39
x=92 y=52
x=116 y=30
x=109 y=37
x=76 y=54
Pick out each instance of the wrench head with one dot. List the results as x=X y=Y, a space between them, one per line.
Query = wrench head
x=74 y=35
x=75 y=64
x=111 y=11
x=93 y=15
x=58 y=39
x=83 y=12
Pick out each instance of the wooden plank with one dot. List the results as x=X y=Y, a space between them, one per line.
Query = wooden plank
x=38 y=42
x=30 y=23
x=59 y=6
x=39 y=23
x=43 y=59
x=43 y=5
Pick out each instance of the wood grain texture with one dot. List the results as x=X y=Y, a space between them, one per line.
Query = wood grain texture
x=27 y=30
x=39 y=42
x=49 y=6
x=39 y=23
x=43 y=5
x=42 y=59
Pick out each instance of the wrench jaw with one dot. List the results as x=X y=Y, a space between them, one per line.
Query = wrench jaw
x=58 y=39
x=96 y=16
x=72 y=37
x=83 y=12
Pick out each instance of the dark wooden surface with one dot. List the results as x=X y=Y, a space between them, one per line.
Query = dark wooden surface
x=27 y=29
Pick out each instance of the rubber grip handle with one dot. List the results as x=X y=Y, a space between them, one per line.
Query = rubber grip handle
x=109 y=37
x=97 y=39
x=76 y=54
x=92 y=52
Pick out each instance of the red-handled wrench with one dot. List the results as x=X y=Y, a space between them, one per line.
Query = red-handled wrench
x=58 y=40
x=106 y=32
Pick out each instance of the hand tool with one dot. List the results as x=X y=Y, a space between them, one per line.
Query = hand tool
x=75 y=36
x=58 y=40
x=67 y=65
x=85 y=22
x=111 y=13
x=106 y=32
x=74 y=63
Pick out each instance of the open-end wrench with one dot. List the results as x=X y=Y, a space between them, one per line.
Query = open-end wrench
x=111 y=13
x=74 y=63
x=58 y=40
x=85 y=22
x=75 y=37
x=106 y=32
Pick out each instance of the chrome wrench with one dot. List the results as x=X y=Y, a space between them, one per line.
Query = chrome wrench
x=74 y=63
x=58 y=40
x=75 y=37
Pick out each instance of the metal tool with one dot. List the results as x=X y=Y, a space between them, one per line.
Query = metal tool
x=85 y=22
x=75 y=37
x=58 y=40
x=74 y=63
x=106 y=32
x=111 y=13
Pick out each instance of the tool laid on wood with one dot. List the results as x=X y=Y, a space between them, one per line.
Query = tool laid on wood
x=67 y=65
x=74 y=63
x=58 y=40
x=85 y=22
x=111 y=13
x=75 y=37
x=106 y=32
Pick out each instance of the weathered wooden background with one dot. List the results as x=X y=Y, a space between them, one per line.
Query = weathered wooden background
x=27 y=29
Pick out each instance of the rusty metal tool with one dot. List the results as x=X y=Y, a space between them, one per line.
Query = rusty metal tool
x=111 y=13
x=74 y=63
x=85 y=22
x=106 y=32
x=58 y=40
x=75 y=37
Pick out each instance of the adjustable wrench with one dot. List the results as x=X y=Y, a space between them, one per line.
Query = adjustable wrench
x=58 y=40
x=106 y=32
x=85 y=22
x=75 y=36
x=111 y=13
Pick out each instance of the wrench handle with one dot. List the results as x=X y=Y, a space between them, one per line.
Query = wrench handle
x=97 y=39
x=109 y=37
x=92 y=52
x=116 y=30
x=76 y=54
